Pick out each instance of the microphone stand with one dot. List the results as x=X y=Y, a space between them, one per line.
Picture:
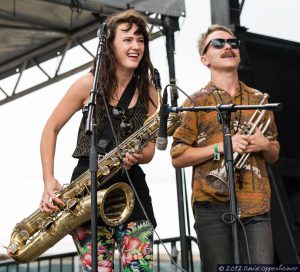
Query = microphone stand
x=90 y=130
x=224 y=116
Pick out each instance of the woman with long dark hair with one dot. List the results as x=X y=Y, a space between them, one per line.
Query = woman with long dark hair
x=125 y=64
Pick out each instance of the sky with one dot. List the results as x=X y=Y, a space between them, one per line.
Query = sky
x=22 y=121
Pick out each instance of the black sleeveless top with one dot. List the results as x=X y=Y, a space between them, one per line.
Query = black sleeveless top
x=136 y=115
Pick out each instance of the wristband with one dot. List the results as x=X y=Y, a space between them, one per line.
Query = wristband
x=216 y=153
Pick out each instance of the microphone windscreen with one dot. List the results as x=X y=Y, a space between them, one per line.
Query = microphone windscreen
x=161 y=143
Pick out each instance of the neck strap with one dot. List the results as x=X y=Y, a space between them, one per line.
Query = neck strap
x=124 y=102
x=128 y=93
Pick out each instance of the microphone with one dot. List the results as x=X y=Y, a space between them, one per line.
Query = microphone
x=162 y=137
x=103 y=32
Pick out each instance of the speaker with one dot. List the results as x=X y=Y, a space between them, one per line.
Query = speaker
x=286 y=232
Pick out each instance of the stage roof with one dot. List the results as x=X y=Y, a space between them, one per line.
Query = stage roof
x=34 y=31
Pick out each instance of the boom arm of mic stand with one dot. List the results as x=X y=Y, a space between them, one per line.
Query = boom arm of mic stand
x=230 y=107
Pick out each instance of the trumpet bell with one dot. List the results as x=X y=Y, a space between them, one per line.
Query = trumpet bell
x=218 y=181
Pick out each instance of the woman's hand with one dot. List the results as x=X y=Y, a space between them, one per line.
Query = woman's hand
x=49 y=197
x=132 y=159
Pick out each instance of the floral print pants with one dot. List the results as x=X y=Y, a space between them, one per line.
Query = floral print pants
x=134 y=241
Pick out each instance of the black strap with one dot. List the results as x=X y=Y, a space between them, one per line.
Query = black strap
x=128 y=94
x=124 y=102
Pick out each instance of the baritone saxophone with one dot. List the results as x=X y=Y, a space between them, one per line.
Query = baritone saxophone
x=39 y=231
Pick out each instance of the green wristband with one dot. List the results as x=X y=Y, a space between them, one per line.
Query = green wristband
x=216 y=153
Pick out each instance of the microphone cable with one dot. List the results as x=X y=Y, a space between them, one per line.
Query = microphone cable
x=230 y=221
x=175 y=86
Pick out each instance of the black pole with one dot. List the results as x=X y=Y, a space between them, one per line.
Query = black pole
x=93 y=170
x=229 y=164
x=90 y=130
x=170 y=26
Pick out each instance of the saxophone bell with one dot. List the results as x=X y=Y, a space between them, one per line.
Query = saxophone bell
x=117 y=204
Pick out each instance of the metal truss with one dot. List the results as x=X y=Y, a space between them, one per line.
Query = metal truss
x=15 y=70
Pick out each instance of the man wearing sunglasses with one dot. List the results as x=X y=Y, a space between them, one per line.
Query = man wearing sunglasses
x=198 y=142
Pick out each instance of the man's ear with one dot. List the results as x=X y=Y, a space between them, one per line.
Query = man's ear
x=204 y=60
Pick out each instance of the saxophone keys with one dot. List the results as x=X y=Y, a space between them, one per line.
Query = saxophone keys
x=48 y=223
x=115 y=161
x=146 y=137
x=71 y=204
x=38 y=223
x=24 y=235
x=103 y=170
x=12 y=249
x=136 y=145
x=80 y=191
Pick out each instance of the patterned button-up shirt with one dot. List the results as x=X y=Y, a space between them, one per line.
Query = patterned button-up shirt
x=200 y=129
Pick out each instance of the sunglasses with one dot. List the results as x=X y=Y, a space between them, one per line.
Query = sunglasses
x=125 y=126
x=220 y=43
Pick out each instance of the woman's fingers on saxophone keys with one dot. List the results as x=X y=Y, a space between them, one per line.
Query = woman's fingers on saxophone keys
x=47 y=204
x=127 y=163
x=56 y=200
x=41 y=205
x=130 y=160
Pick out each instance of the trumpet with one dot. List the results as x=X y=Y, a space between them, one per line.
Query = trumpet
x=218 y=178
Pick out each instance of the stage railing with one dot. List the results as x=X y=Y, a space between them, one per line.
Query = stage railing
x=69 y=262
